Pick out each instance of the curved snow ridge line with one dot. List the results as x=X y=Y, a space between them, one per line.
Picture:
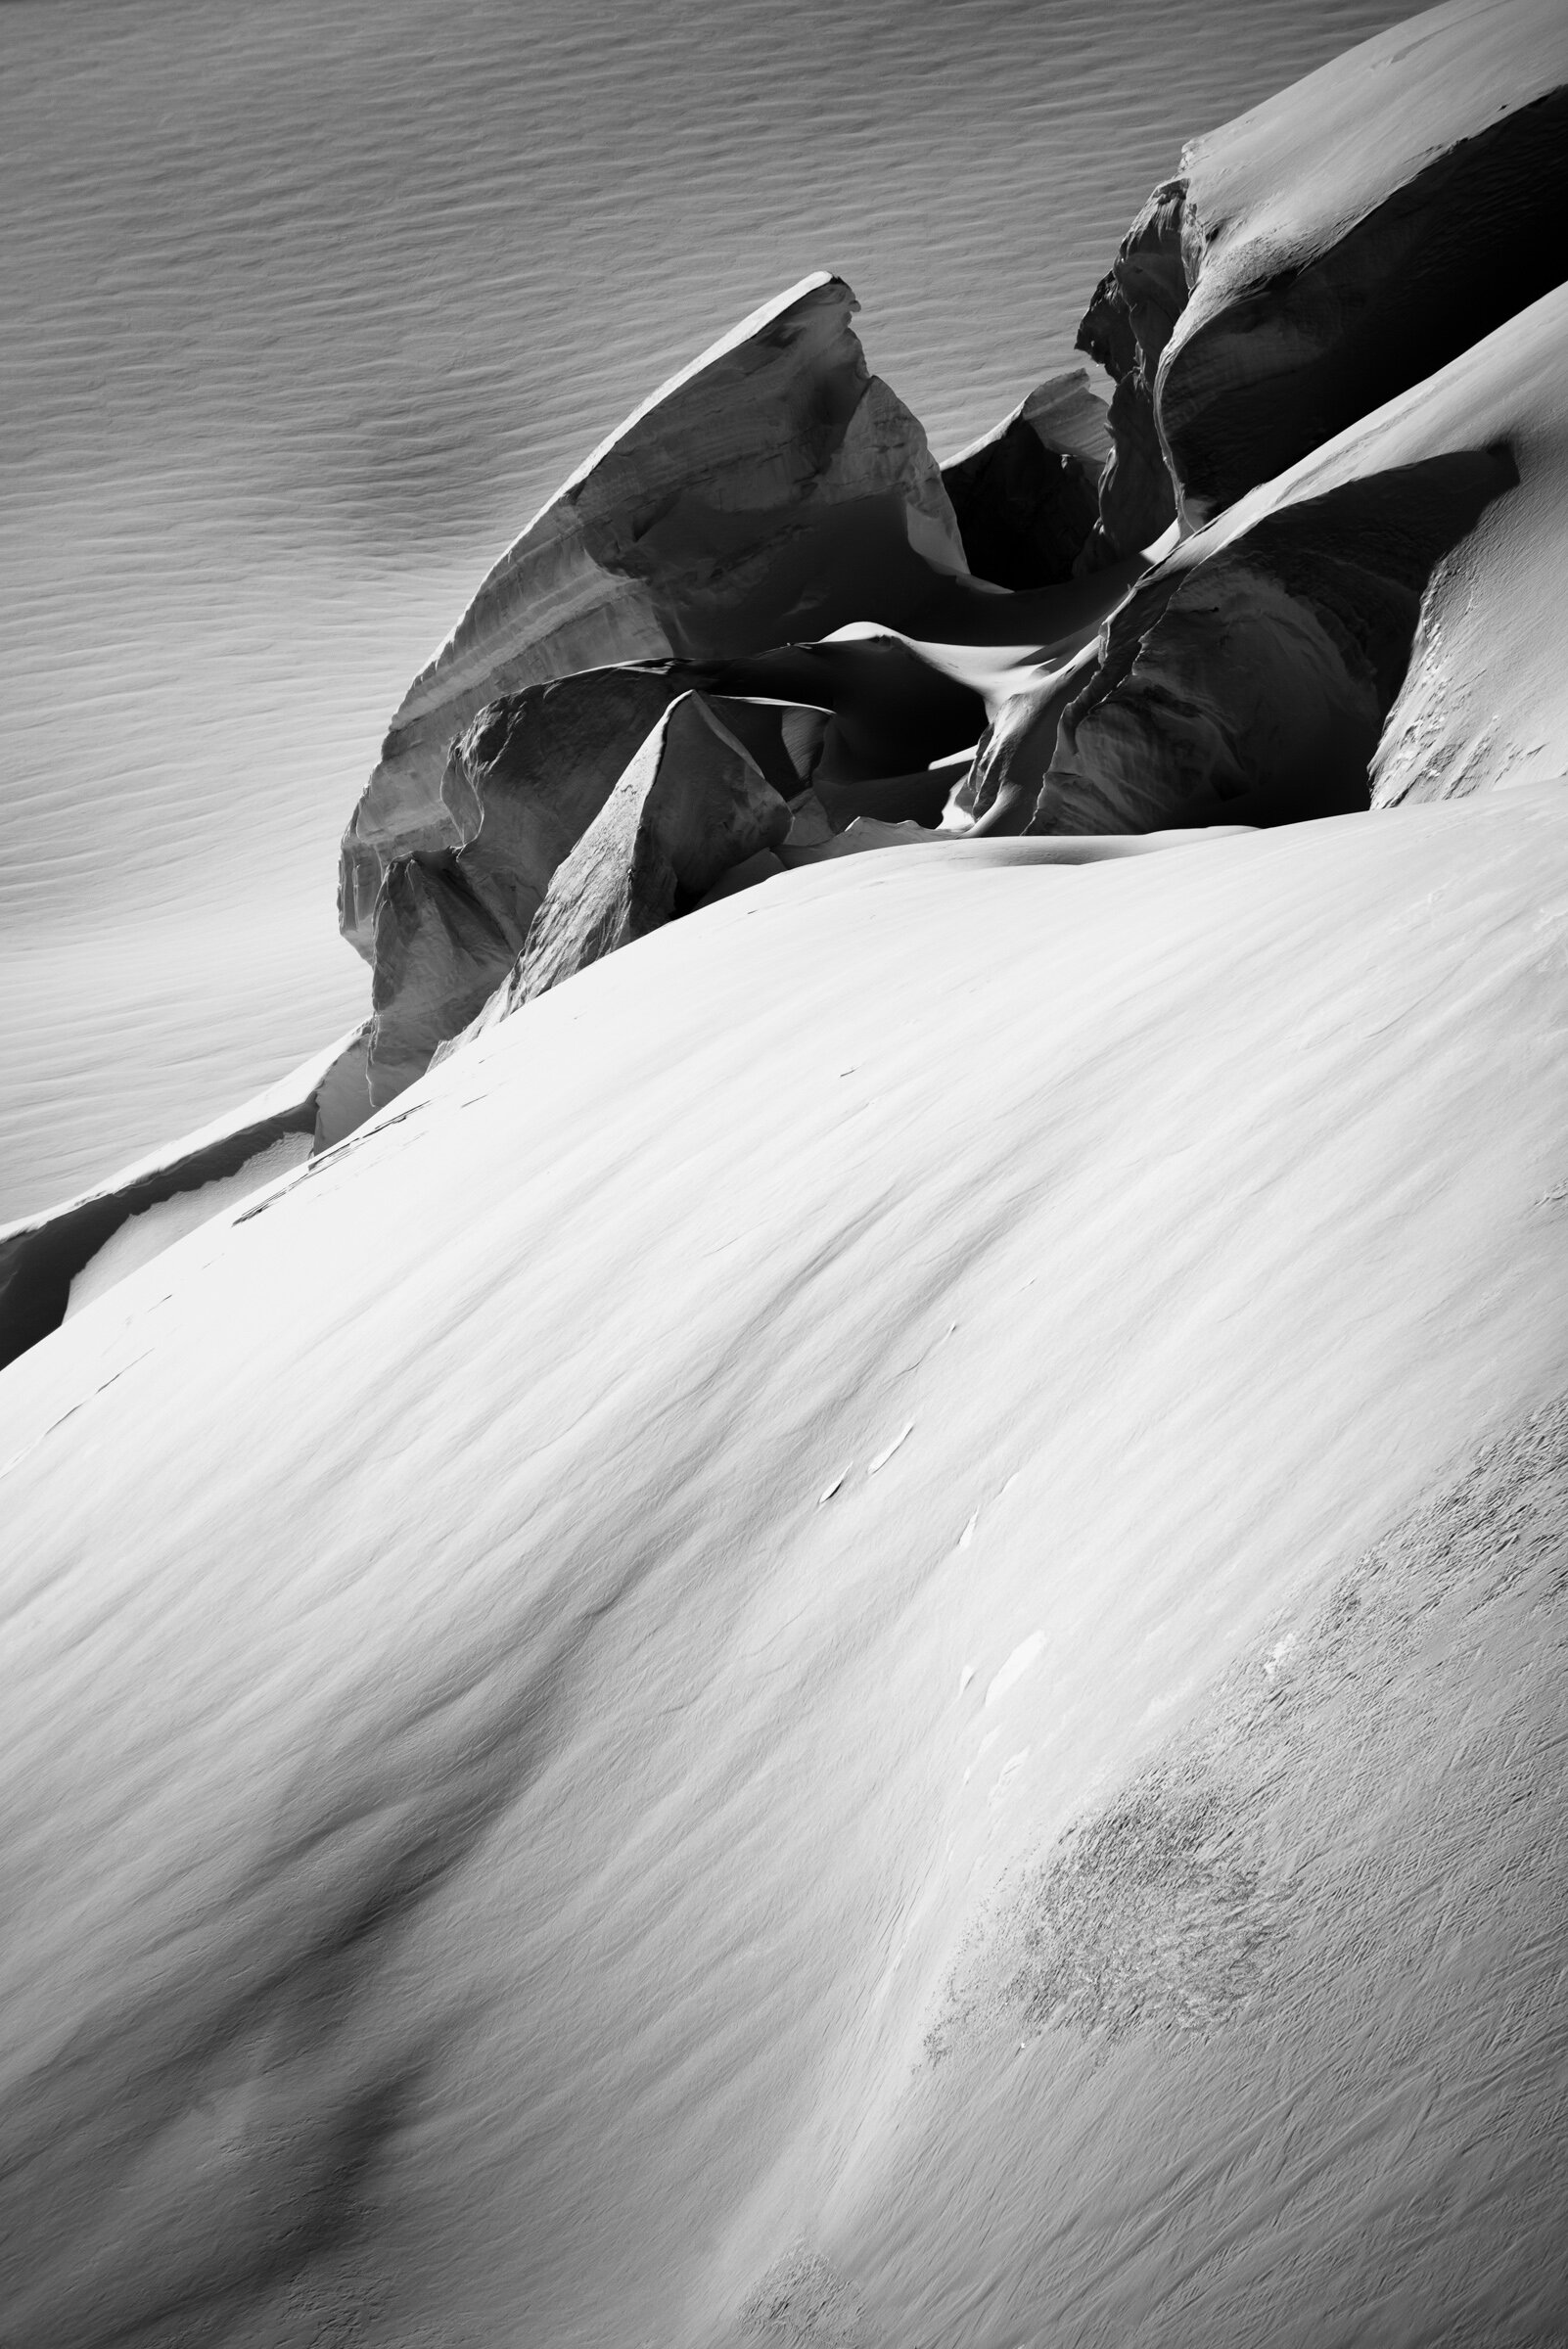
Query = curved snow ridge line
x=179 y=600
x=43 y=1258
x=1448 y=259
x=213 y=995
x=150 y=1230
x=1386 y=591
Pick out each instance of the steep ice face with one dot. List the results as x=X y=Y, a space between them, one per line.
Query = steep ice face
x=524 y=784
x=1127 y=327
x=692 y=804
x=519 y=786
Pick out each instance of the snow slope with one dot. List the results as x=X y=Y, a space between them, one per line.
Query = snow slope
x=854 y=1639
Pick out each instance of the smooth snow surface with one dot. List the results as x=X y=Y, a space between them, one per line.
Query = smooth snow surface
x=310 y=305
x=524 y=1840
x=1314 y=158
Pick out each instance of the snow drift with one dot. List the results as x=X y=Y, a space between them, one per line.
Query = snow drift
x=881 y=1667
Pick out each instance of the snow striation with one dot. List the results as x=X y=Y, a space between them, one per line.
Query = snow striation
x=838 y=1618
x=512 y=1865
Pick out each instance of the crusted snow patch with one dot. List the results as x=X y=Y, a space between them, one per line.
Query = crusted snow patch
x=802 y=2304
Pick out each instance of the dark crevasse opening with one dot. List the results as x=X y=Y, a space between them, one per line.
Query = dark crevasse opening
x=1126 y=328
x=1464 y=245
x=1025 y=511
x=891 y=711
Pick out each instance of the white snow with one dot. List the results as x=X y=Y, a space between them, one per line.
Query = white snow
x=492 y=1856
x=888 y=1449
x=1004 y=1781
x=1024 y=1657
x=470 y=1795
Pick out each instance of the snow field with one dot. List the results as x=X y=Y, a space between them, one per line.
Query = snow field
x=521 y=1826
